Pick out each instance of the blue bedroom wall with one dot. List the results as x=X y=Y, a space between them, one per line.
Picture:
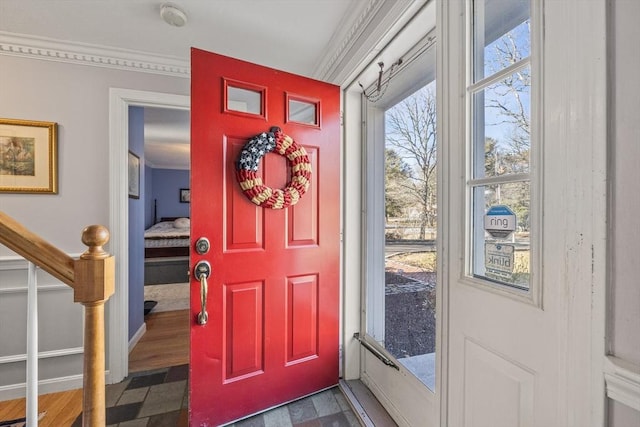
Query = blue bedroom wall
x=136 y=226
x=166 y=190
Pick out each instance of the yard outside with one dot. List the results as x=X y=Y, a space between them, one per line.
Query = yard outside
x=410 y=300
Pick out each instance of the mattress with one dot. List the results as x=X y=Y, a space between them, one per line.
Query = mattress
x=165 y=235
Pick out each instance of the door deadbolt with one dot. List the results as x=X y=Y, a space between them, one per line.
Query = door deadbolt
x=202 y=245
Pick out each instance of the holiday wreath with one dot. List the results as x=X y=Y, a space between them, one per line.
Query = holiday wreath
x=251 y=183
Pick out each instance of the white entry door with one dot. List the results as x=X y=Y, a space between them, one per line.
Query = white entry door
x=517 y=195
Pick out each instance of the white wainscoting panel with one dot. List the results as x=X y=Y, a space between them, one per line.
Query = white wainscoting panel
x=621 y=415
x=497 y=392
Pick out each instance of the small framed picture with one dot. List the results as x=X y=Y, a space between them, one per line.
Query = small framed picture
x=134 y=176
x=28 y=157
x=185 y=195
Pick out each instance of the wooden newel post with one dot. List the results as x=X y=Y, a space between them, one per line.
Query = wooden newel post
x=94 y=284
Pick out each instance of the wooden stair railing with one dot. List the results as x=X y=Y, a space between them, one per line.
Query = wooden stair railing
x=92 y=278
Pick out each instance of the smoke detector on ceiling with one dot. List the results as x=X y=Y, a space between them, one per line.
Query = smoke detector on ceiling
x=173 y=15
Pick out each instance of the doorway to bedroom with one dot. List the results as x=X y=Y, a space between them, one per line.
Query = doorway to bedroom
x=165 y=167
x=167 y=209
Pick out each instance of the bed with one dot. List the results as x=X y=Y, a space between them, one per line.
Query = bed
x=167 y=238
x=166 y=249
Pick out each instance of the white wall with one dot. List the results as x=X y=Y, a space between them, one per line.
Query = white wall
x=77 y=98
x=624 y=176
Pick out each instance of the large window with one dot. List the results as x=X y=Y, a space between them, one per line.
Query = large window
x=499 y=174
x=402 y=217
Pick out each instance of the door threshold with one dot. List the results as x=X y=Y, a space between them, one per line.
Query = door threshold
x=365 y=405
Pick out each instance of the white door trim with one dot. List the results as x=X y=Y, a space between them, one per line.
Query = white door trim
x=577 y=110
x=118 y=306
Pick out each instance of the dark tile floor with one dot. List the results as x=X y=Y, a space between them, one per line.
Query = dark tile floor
x=160 y=399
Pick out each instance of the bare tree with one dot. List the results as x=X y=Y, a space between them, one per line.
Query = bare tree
x=509 y=99
x=411 y=132
x=396 y=176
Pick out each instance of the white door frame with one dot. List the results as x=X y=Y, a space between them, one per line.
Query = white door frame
x=118 y=305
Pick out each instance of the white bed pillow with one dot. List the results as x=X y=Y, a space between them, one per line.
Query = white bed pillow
x=182 y=223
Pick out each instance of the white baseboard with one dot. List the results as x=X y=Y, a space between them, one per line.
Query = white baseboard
x=54 y=385
x=136 y=337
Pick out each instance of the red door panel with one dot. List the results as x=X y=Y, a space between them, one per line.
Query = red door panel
x=302 y=318
x=303 y=224
x=273 y=295
x=242 y=221
x=243 y=330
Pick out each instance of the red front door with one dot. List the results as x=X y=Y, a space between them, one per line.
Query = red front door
x=273 y=293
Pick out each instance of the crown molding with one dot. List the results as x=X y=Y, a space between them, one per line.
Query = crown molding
x=351 y=29
x=22 y=45
x=365 y=26
x=358 y=44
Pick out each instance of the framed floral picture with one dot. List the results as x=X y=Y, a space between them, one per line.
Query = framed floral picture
x=28 y=157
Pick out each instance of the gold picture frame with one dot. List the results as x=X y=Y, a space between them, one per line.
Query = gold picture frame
x=28 y=156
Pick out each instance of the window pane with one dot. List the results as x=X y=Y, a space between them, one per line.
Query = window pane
x=502 y=114
x=244 y=100
x=302 y=112
x=501 y=35
x=502 y=259
x=402 y=316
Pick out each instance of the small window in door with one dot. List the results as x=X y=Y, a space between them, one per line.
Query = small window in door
x=244 y=98
x=499 y=178
x=302 y=110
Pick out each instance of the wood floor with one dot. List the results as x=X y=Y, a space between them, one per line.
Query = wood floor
x=61 y=408
x=166 y=343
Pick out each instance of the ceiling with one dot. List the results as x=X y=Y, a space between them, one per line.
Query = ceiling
x=292 y=35
x=306 y=37
x=166 y=138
